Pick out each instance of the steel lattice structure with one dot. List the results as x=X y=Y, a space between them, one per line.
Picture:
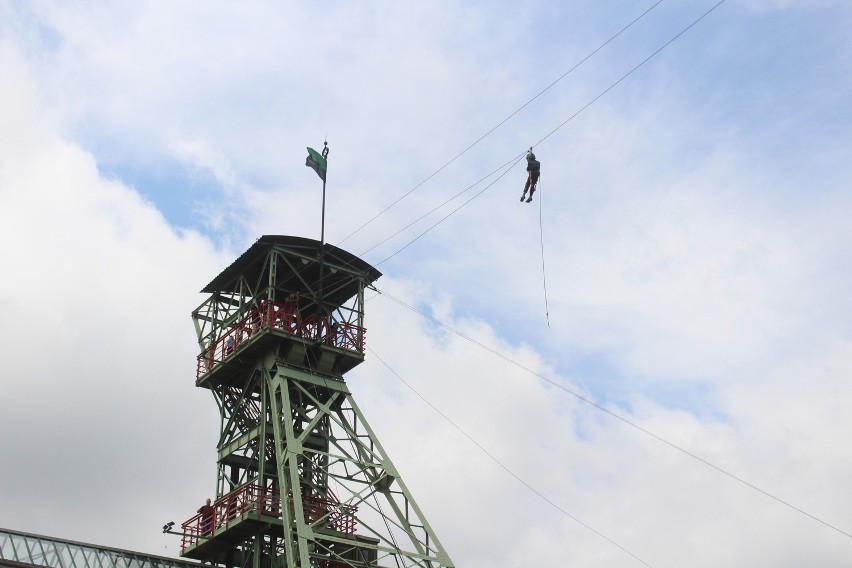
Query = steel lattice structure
x=37 y=550
x=302 y=478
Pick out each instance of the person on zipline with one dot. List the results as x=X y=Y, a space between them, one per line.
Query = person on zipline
x=534 y=169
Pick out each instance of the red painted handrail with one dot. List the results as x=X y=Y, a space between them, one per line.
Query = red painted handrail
x=281 y=317
x=252 y=502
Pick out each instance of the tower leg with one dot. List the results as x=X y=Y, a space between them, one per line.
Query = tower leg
x=343 y=501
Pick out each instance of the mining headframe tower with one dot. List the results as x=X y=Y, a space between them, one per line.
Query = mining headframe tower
x=302 y=480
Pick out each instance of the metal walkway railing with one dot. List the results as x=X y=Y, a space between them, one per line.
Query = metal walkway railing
x=282 y=317
x=58 y=553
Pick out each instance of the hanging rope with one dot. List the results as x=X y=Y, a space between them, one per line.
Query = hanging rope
x=541 y=239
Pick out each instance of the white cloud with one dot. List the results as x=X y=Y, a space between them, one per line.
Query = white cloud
x=683 y=256
x=97 y=372
x=652 y=499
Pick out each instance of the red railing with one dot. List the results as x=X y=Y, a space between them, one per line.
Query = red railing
x=281 y=317
x=252 y=501
x=324 y=512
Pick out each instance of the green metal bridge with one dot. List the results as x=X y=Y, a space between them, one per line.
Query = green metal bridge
x=19 y=550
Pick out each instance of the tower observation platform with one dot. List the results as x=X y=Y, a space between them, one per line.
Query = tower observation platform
x=279 y=289
x=302 y=480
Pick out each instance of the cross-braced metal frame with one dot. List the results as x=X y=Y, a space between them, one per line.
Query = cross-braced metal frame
x=302 y=479
x=20 y=549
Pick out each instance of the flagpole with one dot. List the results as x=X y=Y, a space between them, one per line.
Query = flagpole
x=322 y=243
x=322 y=231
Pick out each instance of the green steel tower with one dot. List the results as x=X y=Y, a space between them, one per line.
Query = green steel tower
x=302 y=480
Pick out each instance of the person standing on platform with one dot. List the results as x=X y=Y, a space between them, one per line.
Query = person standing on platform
x=207 y=514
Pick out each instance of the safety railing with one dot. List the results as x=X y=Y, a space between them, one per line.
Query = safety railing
x=253 y=501
x=324 y=512
x=249 y=501
x=282 y=317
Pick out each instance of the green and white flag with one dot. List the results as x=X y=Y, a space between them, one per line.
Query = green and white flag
x=317 y=162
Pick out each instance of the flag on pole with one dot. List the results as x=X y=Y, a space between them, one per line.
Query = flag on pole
x=317 y=162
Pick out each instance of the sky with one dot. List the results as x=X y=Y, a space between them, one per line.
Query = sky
x=685 y=264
